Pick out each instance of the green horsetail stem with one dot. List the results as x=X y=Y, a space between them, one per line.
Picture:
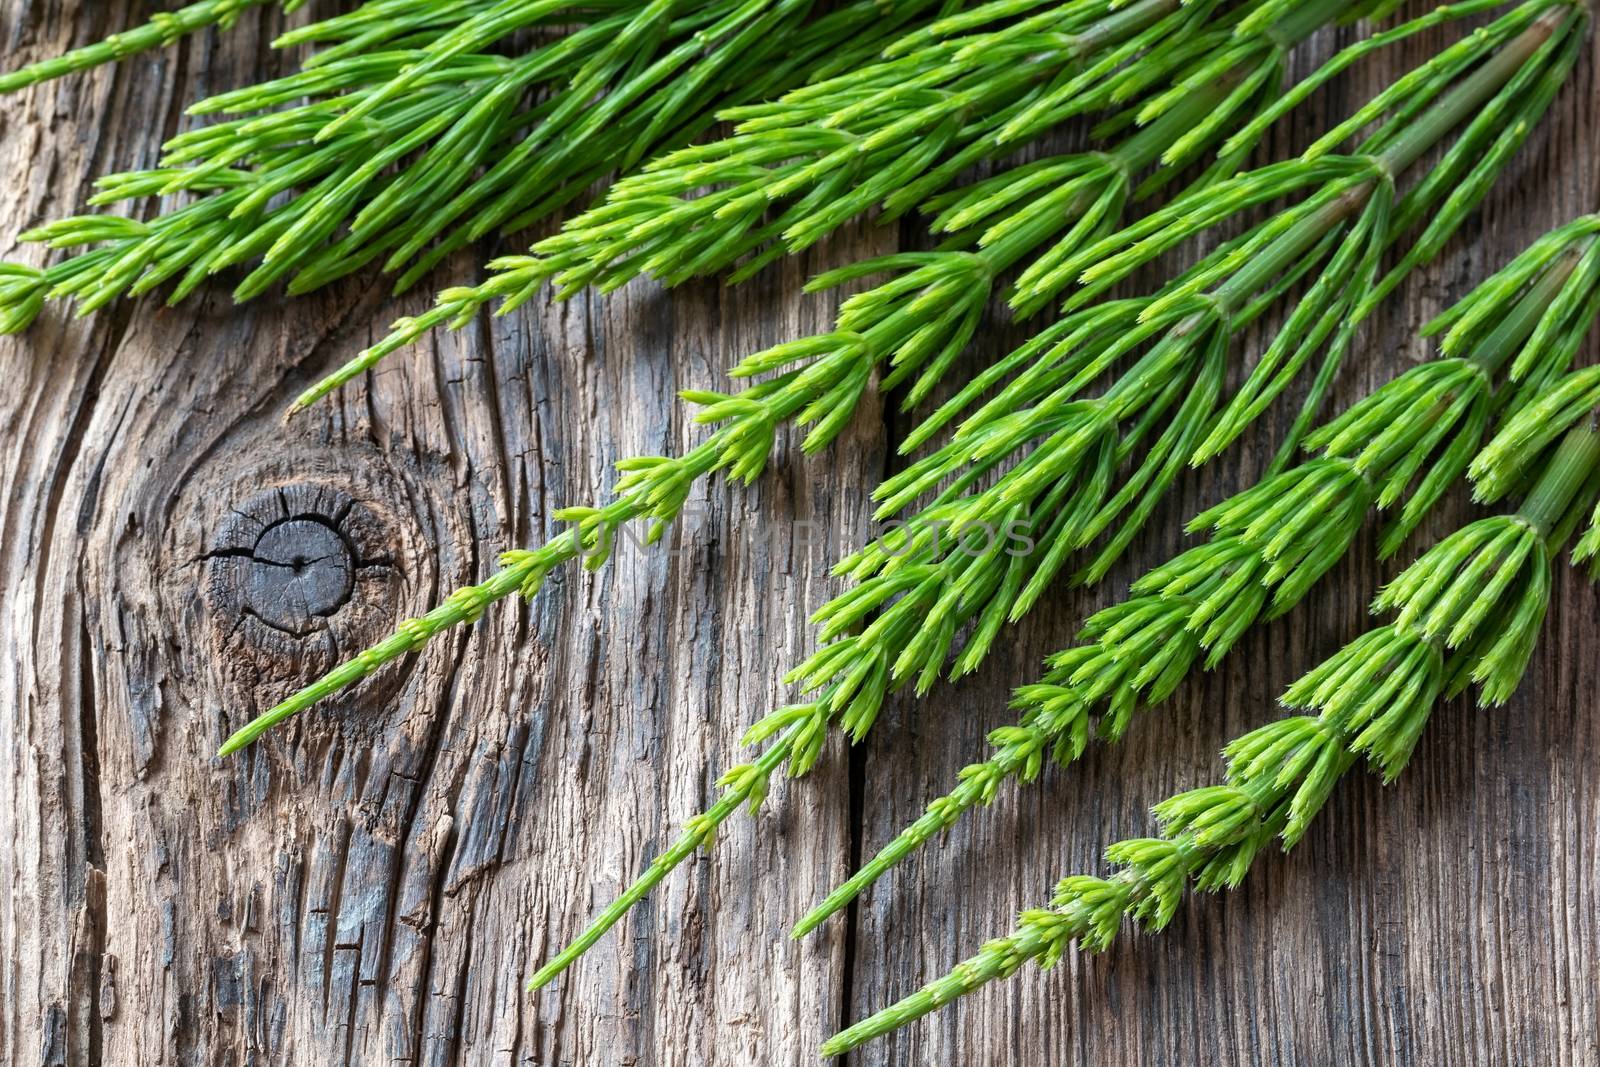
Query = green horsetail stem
x=163 y=29
x=454 y=141
x=517 y=278
x=1154 y=639
x=1468 y=610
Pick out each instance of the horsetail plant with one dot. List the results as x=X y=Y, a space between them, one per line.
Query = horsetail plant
x=403 y=139
x=675 y=238
x=915 y=323
x=917 y=591
x=968 y=88
x=1400 y=447
x=890 y=133
x=1468 y=611
x=163 y=29
x=1200 y=100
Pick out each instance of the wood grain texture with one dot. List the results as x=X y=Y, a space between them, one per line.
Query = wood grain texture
x=372 y=885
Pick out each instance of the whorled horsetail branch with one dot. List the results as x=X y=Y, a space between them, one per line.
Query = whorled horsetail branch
x=1501 y=468
x=892 y=132
x=1402 y=446
x=886 y=137
x=914 y=323
x=919 y=591
x=1070 y=200
x=163 y=29
x=1090 y=462
x=712 y=241
x=1199 y=103
x=1065 y=488
x=958 y=92
x=1469 y=610
x=403 y=139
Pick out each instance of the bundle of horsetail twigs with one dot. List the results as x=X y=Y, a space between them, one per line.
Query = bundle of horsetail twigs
x=1064 y=490
x=416 y=127
x=799 y=167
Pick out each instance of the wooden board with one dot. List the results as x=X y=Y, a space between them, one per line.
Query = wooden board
x=373 y=885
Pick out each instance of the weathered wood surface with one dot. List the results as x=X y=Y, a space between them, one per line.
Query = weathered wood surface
x=372 y=885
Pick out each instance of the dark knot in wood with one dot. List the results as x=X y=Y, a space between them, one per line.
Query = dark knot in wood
x=299 y=572
x=289 y=558
x=299 y=577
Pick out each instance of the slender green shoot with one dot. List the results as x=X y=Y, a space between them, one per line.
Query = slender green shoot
x=163 y=29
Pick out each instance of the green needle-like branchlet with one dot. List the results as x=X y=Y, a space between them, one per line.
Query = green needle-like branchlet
x=1063 y=203
x=1468 y=610
x=1498 y=469
x=1190 y=97
x=406 y=137
x=1071 y=466
x=800 y=167
x=1398 y=450
x=163 y=29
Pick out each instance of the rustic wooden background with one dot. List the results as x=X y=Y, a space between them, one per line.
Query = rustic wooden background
x=372 y=885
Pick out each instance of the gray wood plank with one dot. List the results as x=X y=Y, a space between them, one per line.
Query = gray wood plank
x=372 y=884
